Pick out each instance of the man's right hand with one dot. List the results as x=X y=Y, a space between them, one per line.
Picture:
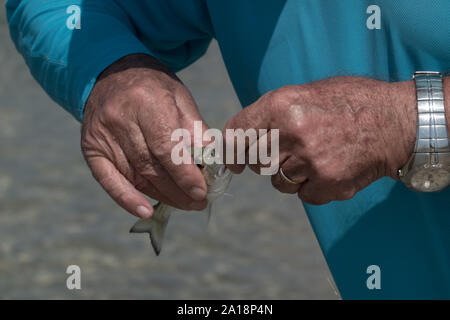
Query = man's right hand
x=129 y=117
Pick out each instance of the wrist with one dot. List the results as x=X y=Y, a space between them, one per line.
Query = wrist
x=390 y=109
x=129 y=72
x=404 y=101
x=405 y=97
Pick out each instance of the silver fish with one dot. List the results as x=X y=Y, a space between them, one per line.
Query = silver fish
x=217 y=178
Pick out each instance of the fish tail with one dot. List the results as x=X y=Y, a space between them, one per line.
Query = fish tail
x=155 y=226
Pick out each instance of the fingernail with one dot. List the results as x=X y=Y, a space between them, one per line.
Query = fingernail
x=197 y=193
x=143 y=212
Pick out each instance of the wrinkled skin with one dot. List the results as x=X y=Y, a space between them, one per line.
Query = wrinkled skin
x=129 y=117
x=336 y=135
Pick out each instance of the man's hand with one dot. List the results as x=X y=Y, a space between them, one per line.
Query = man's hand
x=337 y=136
x=126 y=136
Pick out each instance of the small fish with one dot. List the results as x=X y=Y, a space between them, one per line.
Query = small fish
x=217 y=178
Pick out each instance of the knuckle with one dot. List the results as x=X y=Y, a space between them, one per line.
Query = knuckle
x=142 y=161
x=278 y=94
x=151 y=171
x=139 y=92
x=123 y=197
x=146 y=169
x=274 y=98
x=111 y=115
x=164 y=150
x=165 y=95
x=108 y=183
x=143 y=157
x=286 y=94
x=282 y=92
x=143 y=97
x=156 y=97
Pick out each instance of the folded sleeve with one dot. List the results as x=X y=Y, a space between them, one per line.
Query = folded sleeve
x=65 y=52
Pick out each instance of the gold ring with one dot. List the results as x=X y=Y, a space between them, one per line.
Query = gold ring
x=285 y=178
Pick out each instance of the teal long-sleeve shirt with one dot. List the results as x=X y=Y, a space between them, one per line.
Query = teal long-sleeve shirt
x=267 y=44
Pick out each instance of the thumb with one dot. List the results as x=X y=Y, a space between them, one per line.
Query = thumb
x=243 y=130
x=254 y=116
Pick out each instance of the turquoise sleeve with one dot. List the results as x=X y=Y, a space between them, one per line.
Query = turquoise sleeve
x=67 y=61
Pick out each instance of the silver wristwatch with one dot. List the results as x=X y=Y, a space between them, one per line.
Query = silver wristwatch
x=428 y=168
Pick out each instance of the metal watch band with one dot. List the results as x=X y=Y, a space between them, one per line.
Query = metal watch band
x=432 y=136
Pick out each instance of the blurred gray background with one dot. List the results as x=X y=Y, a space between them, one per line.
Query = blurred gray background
x=259 y=244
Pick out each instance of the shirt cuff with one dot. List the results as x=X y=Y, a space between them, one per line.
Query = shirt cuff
x=97 y=63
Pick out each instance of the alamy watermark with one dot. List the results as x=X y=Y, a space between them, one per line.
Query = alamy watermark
x=374 y=280
x=74 y=20
x=243 y=147
x=73 y=281
x=374 y=20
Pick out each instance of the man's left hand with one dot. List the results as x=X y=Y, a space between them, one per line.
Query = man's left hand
x=337 y=135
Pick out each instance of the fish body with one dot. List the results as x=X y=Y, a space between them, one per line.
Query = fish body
x=217 y=178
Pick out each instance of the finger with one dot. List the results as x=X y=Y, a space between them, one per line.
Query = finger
x=264 y=157
x=170 y=192
x=243 y=130
x=157 y=128
x=147 y=188
x=313 y=193
x=254 y=116
x=119 y=188
x=136 y=150
x=237 y=144
x=318 y=191
x=293 y=169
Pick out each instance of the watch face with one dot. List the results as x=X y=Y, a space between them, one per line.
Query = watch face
x=430 y=179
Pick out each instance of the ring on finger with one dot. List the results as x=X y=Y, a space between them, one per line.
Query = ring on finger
x=285 y=178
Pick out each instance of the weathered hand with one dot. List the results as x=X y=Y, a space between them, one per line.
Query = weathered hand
x=126 y=136
x=337 y=135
